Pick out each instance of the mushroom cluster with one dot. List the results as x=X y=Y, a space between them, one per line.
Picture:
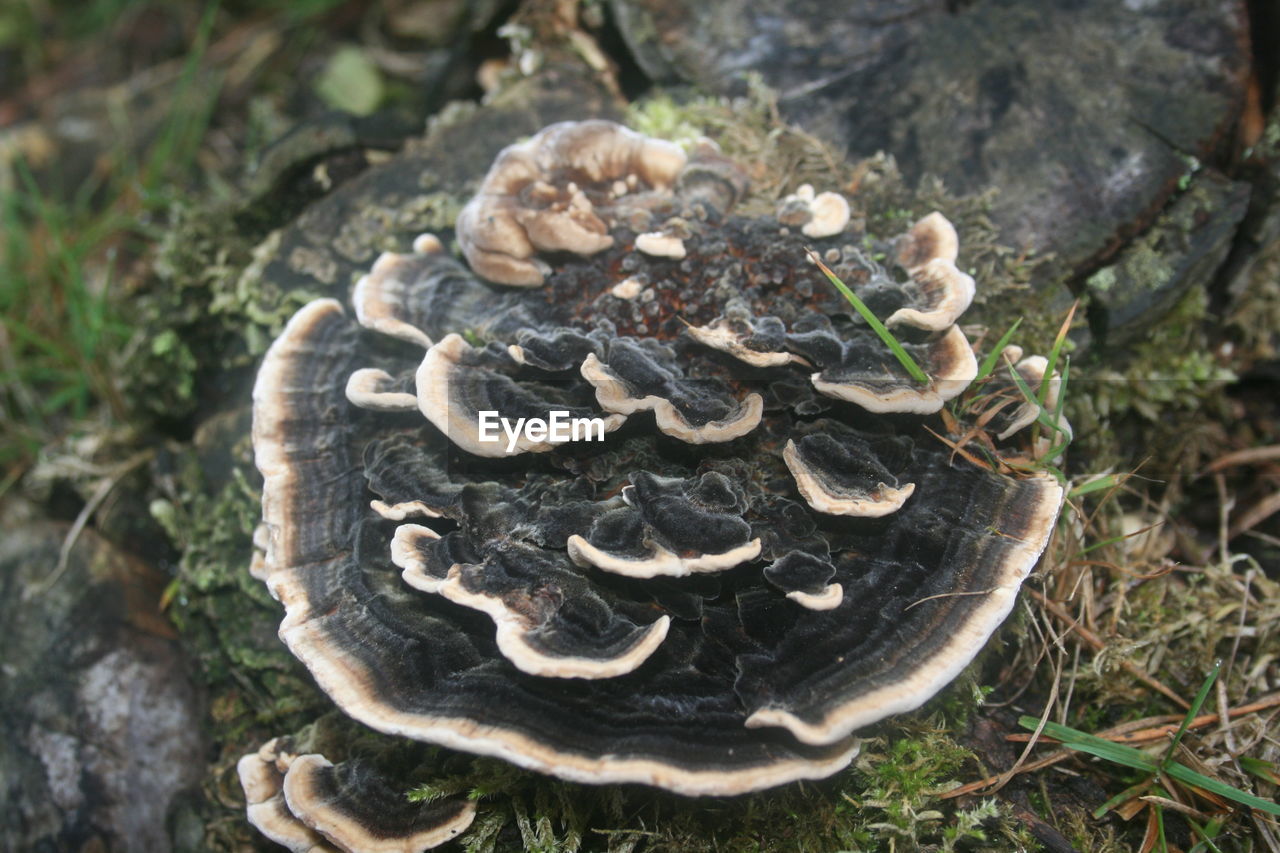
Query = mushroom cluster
x=711 y=598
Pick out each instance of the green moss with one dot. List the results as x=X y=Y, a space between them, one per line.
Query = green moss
x=1146 y=264
x=1150 y=396
x=662 y=117
x=903 y=777
x=226 y=616
x=216 y=301
x=1086 y=833
x=228 y=623
x=200 y=256
x=1102 y=281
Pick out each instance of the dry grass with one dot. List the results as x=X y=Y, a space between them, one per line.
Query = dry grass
x=1123 y=627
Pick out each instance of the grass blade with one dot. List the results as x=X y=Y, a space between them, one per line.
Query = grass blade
x=1192 y=713
x=1122 y=797
x=1116 y=753
x=1187 y=776
x=1042 y=414
x=1062 y=394
x=904 y=358
x=1095 y=485
x=989 y=363
x=1206 y=833
x=1267 y=771
x=1055 y=352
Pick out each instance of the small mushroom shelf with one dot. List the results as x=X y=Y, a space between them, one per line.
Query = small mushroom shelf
x=761 y=553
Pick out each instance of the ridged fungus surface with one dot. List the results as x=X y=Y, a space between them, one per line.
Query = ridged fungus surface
x=758 y=552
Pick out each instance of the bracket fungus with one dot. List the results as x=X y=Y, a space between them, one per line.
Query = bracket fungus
x=305 y=802
x=560 y=192
x=750 y=564
x=822 y=215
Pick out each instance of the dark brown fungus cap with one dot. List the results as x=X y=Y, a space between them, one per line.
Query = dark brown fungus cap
x=646 y=376
x=354 y=809
x=263 y=784
x=307 y=803
x=392 y=296
x=928 y=253
x=841 y=478
x=853 y=367
x=549 y=620
x=921 y=655
x=712 y=600
x=821 y=215
x=457 y=382
x=405 y=662
x=670 y=527
x=806 y=580
x=879 y=384
x=757 y=342
x=931 y=239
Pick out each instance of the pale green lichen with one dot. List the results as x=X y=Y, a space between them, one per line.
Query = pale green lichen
x=351 y=81
x=661 y=117
x=1158 y=387
x=1102 y=281
x=1257 y=312
x=228 y=624
x=226 y=616
x=209 y=309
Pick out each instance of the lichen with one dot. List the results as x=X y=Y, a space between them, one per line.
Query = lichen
x=1257 y=313
x=1153 y=394
x=208 y=309
x=213 y=305
x=225 y=615
x=227 y=623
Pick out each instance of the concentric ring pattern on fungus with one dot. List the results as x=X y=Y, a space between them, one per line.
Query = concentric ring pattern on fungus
x=760 y=551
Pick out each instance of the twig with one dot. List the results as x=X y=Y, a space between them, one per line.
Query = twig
x=90 y=507
x=1173 y=804
x=1003 y=778
x=1248 y=456
x=960 y=450
x=1255 y=515
x=1226 y=503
